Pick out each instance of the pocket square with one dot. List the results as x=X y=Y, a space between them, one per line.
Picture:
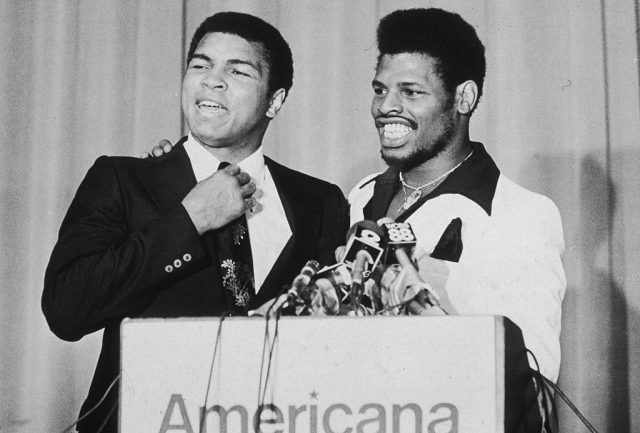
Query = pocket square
x=449 y=246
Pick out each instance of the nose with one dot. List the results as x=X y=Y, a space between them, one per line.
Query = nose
x=386 y=104
x=214 y=79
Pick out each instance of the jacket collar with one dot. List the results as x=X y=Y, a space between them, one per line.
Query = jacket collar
x=475 y=179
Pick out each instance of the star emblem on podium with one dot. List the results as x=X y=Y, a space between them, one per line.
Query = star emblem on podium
x=313 y=394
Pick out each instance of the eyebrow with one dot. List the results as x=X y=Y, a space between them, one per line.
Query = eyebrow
x=206 y=58
x=201 y=57
x=410 y=83
x=255 y=66
x=401 y=84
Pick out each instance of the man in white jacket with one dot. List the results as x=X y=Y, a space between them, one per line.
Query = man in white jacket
x=485 y=244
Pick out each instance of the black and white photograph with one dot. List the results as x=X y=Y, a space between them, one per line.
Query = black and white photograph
x=319 y=216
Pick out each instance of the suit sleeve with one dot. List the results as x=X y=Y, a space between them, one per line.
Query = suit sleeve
x=335 y=225
x=101 y=270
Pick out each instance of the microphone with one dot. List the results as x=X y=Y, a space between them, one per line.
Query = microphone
x=300 y=288
x=363 y=236
x=325 y=301
x=304 y=297
x=361 y=256
x=401 y=279
x=311 y=294
x=422 y=296
x=357 y=280
x=398 y=237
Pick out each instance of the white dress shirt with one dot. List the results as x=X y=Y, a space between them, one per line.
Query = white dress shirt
x=269 y=229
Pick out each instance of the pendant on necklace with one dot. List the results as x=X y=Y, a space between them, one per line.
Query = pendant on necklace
x=413 y=197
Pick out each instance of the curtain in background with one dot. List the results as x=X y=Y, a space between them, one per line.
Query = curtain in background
x=560 y=115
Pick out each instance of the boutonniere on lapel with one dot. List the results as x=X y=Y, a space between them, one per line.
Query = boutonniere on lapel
x=237 y=278
x=238 y=232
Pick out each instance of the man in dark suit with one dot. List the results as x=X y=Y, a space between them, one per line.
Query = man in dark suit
x=159 y=237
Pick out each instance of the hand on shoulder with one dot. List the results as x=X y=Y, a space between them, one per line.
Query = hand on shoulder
x=164 y=146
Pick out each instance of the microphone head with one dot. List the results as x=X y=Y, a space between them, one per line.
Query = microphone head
x=370 y=229
x=364 y=235
x=326 y=301
x=306 y=273
x=397 y=236
x=338 y=274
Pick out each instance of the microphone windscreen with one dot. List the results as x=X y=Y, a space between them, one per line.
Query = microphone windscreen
x=358 y=228
x=397 y=236
x=306 y=273
x=364 y=235
x=325 y=301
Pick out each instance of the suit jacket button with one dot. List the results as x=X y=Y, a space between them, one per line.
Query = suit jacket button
x=177 y=263
x=186 y=257
x=168 y=268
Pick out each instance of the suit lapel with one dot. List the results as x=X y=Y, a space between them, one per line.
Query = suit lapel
x=303 y=215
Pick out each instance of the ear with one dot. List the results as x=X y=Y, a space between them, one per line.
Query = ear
x=467 y=93
x=277 y=99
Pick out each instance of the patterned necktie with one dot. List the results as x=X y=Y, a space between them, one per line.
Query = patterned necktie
x=236 y=264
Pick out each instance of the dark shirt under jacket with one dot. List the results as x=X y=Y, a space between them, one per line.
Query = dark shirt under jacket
x=127 y=248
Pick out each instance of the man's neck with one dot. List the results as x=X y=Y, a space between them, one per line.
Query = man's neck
x=234 y=153
x=452 y=155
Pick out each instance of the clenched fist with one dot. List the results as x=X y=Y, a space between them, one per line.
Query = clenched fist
x=220 y=198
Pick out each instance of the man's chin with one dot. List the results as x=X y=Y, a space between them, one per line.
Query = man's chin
x=403 y=162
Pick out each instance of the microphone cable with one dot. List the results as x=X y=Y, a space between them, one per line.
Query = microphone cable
x=203 y=417
x=265 y=343
x=545 y=404
x=266 y=340
x=545 y=382
x=104 y=423
x=268 y=344
x=102 y=399
x=570 y=404
x=271 y=344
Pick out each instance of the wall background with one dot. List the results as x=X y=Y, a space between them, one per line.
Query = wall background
x=560 y=115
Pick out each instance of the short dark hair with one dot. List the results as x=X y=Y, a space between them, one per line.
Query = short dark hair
x=253 y=29
x=444 y=36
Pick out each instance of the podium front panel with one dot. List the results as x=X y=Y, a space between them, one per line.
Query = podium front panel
x=313 y=374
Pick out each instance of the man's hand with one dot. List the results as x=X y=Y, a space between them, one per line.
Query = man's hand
x=164 y=146
x=220 y=198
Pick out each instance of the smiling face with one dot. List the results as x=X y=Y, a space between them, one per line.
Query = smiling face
x=225 y=93
x=414 y=114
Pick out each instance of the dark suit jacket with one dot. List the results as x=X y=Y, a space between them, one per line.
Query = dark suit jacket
x=126 y=224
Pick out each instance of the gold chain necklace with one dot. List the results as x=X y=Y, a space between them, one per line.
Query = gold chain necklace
x=410 y=199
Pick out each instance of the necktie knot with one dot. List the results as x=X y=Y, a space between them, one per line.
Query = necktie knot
x=223 y=164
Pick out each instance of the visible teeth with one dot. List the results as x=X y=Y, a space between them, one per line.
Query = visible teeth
x=393 y=131
x=209 y=104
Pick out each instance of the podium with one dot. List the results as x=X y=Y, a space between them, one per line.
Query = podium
x=319 y=374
